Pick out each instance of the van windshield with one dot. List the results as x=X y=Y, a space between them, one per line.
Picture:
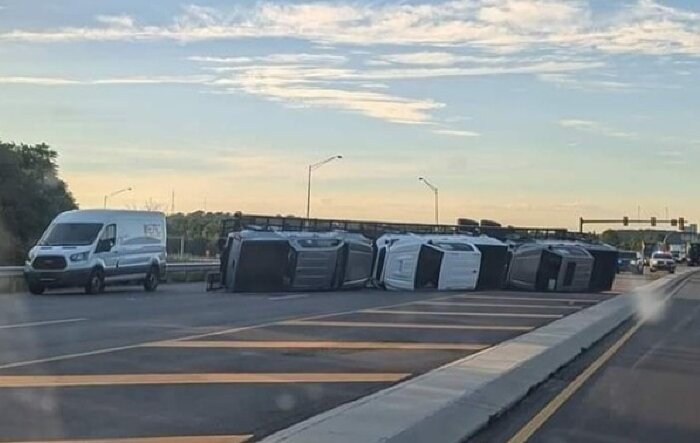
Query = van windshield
x=71 y=234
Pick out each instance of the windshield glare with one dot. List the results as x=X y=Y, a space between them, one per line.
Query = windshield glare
x=71 y=234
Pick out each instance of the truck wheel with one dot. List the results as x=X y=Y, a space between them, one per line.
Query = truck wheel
x=36 y=288
x=96 y=282
x=150 y=284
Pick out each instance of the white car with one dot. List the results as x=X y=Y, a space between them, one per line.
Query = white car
x=92 y=248
x=662 y=261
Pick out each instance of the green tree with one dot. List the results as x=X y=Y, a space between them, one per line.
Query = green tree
x=610 y=237
x=31 y=195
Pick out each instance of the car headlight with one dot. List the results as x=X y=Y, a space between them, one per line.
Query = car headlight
x=81 y=256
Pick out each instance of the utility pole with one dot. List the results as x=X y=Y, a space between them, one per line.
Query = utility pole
x=172 y=202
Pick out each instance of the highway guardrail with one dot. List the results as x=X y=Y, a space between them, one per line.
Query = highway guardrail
x=12 y=277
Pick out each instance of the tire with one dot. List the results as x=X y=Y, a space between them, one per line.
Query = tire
x=36 y=288
x=652 y=270
x=96 y=282
x=150 y=284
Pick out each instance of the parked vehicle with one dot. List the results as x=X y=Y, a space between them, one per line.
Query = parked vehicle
x=662 y=261
x=693 y=254
x=442 y=262
x=630 y=261
x=92 y=248
x=555 y=268
x=256 y=261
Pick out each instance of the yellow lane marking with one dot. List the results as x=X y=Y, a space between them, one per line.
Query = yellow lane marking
x=62 y=357
x=503 y=297
x=43 y=381
x=319 y=345
x=494 y=305
x=467 y=314
x=194 y=439
x=541 y=418
x=368 y=324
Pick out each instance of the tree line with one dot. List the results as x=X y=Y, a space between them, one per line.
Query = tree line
x=31 y=195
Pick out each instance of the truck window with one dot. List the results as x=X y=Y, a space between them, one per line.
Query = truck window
x=71 y=234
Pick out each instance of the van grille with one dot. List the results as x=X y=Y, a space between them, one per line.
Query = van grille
x=49 y=262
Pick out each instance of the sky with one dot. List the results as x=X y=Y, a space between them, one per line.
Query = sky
x=529 y=112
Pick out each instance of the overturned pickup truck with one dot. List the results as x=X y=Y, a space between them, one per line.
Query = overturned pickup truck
x=269 y=261
x=550 y=267
x=442 y=262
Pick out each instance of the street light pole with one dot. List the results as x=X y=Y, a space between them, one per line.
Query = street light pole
x=435 y=191
x=113 y=194
x=312 y=168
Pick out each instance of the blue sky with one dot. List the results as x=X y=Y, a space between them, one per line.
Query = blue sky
x=532 y=112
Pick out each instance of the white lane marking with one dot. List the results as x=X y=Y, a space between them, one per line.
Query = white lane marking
x=288 y=297
x=42 y=323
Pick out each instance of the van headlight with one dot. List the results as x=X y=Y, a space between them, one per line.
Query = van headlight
x=81 y=256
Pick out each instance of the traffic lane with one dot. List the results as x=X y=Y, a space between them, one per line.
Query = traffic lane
x=646 y=391
x=128 y=319
x=161 y=411
x=209 y=360
x=301 y=332
x=298 y=363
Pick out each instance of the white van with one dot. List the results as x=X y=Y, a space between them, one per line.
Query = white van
x=92 y=248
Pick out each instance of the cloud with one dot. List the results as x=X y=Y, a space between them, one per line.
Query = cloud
x=456 y=133
x=569 y=81
x=594 y=127
x=136 y=80
x=290 y=58
x=496 y=26
x=332 y=82
x=433 y=58
x=119 y=21
x=39 y=81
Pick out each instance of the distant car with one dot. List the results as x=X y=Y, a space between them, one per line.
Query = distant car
x=630 y=261
x=662 y=261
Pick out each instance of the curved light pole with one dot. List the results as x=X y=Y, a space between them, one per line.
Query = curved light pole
x=312 y=168
x=115 y=193
x=435 y=191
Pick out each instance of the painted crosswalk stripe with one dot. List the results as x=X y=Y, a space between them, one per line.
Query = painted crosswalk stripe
x=494 y=305
x=44 y=381
x=465 y=314
x=367 y=324
x=192 y=439
x=321 y=345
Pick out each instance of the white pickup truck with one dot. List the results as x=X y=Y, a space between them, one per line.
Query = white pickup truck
x=662 y=261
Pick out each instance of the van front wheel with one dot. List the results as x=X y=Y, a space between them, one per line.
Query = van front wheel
x=152 y=279
x=96 y=282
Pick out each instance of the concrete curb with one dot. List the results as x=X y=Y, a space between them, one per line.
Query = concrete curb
x=451 y=403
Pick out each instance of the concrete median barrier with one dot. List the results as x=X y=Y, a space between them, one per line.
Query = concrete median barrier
x=451 y=403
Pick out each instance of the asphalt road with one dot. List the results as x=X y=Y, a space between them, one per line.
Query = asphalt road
x=190 y=364
x=646 y=391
